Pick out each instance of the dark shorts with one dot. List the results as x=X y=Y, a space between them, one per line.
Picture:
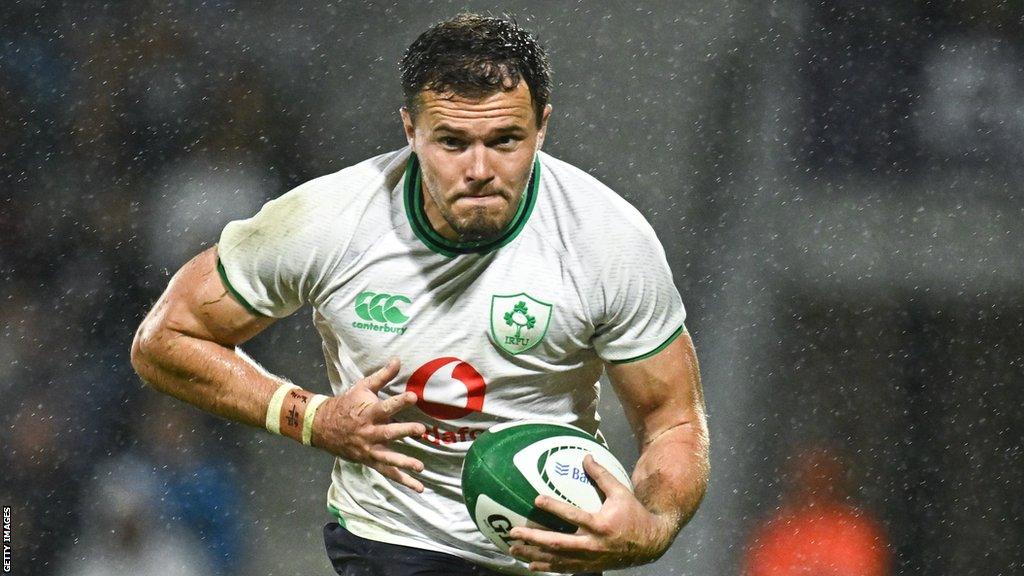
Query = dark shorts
x=352 y=555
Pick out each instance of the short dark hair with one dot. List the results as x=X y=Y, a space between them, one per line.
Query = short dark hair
x=475 y=56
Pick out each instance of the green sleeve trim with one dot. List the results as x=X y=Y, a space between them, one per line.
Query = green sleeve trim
x=337 y=514
x=680 y=330
x=227 y=284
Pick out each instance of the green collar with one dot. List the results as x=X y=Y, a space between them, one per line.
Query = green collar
x=421 y=226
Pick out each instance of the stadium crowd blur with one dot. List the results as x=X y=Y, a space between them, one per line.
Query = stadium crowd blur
x=131 y=132
x=124 y=156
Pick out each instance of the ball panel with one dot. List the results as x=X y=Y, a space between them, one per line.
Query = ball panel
x=554 y=467
x=509 y=465
x=527 y=432
x=498 y=456
x=489 y=468
x=479 y=478
x=495 y=521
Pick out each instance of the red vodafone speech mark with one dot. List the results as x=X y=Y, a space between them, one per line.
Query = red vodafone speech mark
x=464 y=372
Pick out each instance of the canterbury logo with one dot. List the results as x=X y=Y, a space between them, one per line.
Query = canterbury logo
x=381 y=307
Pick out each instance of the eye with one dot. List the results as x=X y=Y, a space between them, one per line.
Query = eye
x=450 y=142
x=506 y=141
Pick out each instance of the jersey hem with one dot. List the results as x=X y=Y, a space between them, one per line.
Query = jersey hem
x=377 y=534
x=369 y=532
x=662 y=346
x=337 y=515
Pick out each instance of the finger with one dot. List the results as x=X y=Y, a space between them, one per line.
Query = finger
x=551 y=540
x=389 y=432
x=391 y=458
x=397 y=475
x=541 y=560
x=530 y=553
x=559 y=567
x=606 y=483
x=565 y=511
x=376 y=381
x=395 y=404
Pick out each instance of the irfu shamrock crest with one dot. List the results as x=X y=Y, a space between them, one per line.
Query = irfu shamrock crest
x=518 y=322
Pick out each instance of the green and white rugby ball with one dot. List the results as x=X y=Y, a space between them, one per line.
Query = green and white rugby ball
x=510 y=464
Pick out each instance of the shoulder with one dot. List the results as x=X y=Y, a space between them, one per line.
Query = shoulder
x=281 y=257
x=348 y=190
x=588 y=217
x=325 y=211
x=328 y=207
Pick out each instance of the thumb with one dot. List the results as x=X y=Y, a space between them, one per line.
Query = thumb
x=603 y=479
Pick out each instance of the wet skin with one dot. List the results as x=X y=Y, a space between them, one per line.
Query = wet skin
x=476 y=156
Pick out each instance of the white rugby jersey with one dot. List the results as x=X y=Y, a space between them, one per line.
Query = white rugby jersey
x=513 y=328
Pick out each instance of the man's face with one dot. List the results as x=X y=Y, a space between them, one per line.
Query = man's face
x=476 y=156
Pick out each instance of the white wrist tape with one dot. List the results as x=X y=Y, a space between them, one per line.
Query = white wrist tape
x=274 y=408
x=307 y=419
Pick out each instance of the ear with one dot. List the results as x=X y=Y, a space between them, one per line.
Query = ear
x=408 y=126
x=542 y=132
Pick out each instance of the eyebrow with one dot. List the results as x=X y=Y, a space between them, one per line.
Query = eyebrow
x=507 y=129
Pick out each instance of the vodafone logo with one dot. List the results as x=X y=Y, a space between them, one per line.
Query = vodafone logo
x=462 y=372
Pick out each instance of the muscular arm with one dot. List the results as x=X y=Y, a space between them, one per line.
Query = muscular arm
x=185 y=347
x=662 y=399
x=664 y=404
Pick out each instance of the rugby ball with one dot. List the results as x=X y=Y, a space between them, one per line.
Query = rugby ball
x=510 y=464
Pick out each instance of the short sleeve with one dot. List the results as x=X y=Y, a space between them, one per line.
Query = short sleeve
x=272 y=263
x=639 y=311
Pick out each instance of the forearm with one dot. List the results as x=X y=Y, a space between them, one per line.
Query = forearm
x=221 y=380
x=210 y=376
x=671 y=476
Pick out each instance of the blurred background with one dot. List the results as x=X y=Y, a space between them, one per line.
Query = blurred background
x=836 y=185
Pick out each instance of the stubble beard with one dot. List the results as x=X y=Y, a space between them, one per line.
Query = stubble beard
x=480 y=224
x=476 y=224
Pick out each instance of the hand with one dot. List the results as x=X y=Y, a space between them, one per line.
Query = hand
x=357 y=426
x=622 y=533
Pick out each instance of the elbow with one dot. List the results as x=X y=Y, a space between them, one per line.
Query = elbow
x=140 y=345
x=144 y=350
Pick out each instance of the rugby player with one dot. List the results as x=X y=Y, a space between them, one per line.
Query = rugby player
x=465 y=280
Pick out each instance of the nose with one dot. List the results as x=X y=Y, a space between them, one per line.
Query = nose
x=478 y=169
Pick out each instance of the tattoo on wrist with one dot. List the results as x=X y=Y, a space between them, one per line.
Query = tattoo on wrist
x=293 y=417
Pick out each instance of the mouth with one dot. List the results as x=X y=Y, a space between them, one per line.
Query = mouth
x=481 y=194
x=483 y=201
x=481 y=198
